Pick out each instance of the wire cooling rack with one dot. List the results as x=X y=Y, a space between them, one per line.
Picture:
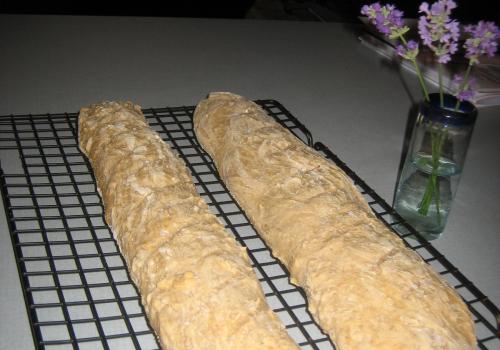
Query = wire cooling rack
x=75 y=283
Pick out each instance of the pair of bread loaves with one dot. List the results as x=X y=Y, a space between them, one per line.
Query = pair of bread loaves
x=364 y=287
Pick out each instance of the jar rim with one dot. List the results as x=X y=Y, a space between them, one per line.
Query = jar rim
x=447 y=114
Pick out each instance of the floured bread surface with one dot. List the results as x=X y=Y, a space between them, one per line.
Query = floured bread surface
x=364 y=287
x=196 y=283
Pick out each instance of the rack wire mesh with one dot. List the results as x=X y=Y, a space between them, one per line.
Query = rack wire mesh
x=76 y=286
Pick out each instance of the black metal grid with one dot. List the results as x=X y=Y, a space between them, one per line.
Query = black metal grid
x=75 y=283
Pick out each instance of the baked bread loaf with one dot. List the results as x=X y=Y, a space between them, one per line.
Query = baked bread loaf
x=196 y=282
x=364 y=287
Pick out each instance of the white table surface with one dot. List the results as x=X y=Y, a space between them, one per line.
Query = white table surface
x=344 y=93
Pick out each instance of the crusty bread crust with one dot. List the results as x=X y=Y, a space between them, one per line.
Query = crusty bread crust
x=364 y=287
x=196 y=283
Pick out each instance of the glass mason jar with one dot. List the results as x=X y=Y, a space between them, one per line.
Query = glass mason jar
x=434 y=162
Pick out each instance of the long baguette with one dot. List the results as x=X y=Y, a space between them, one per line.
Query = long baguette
x=197 y=285
x=364 y=287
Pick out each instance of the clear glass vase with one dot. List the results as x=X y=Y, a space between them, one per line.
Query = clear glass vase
x=434 y=162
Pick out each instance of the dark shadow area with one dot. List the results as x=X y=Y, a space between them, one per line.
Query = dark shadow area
x=468 y=11
x=185 y=8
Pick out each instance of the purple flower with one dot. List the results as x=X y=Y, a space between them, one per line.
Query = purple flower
x=408 y=51
x=437 y=30
x=467 y=91
x=457 y=79
x=466 y=94
x=483 y=41
x=401 y=50
x=387 y=19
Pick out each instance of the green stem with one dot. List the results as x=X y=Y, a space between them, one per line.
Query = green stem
x=440 y=77
x=438 y=201
x=418 y=71
x=429 y=188
x=464 y=83
x=421 y=79
x=432 y=187
x=425 y=203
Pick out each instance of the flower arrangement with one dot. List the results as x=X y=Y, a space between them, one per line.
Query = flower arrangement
x=440 y=33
